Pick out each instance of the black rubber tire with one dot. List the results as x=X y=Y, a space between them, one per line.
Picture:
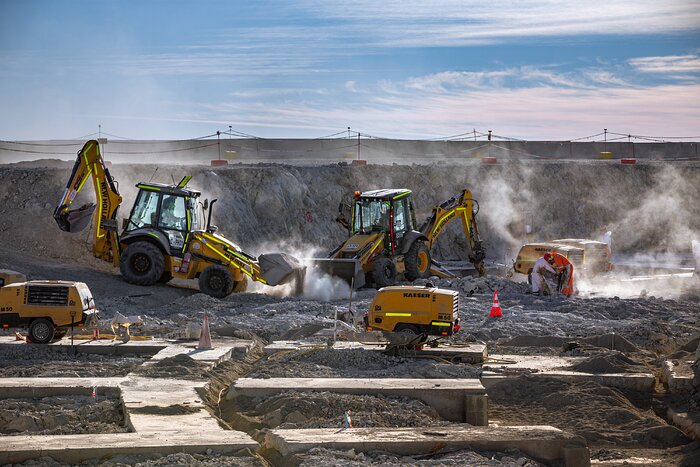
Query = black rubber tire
x=240 y=286
x=383 y=272
x=41 y=331
x=142 y=263
x=216 y=281
x=417 y=261
x=407 y=329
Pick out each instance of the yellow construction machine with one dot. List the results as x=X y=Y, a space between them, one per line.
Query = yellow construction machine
x=414 y=310
x=165 y=236
x=47 y=308
x=385 y=243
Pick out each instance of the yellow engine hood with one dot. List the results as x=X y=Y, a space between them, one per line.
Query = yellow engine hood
x=358 y=242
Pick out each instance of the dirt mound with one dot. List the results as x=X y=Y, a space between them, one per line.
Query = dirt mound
x=610 y=363
x=178 y=367
x=600 y=414
x=288 y=202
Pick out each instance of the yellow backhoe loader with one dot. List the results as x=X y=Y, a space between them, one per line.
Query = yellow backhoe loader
x=385 y=244
x=164 y=236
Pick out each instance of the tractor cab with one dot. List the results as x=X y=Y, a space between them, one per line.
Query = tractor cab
x=389 y=212
x=167 y=210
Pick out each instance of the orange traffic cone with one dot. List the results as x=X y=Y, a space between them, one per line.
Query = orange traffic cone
x=496 y=307
x=204 y=336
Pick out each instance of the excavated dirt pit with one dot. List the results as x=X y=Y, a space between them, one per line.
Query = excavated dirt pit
x=357 y=363
x=319 y=457
x=41 y=361
x=292 y=409
x=245 y=459
x=62 y=415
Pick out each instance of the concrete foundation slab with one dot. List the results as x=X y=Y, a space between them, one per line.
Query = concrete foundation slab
x=676 y=383
x=639 y=382
x=223 y=348
x=77 y=448
x=501 y=367
x=165 y=405
x=454 y=399
x=544 y=443
x=166 y=415
x=685 y=423
x=47 y=387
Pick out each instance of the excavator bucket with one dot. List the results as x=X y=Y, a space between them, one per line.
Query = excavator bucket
x=74 y=220
x=280 y=268
x=350 y=270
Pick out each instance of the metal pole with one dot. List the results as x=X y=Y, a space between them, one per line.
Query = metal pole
x=358 y=145
x=629 y=140
x=335 y=321
x=605 y=142
x=218 y=142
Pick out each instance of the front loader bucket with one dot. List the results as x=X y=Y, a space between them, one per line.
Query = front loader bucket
x=74 y=220
x=350 y=270
x=437 y=269
x=281 y=268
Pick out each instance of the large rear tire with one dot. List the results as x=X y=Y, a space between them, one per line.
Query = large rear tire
x=142 y=263
x=41 y=331
x=383 y=273
x=417 y=261
x=216 y=281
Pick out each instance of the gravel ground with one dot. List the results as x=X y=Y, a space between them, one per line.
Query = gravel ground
x=620 y=323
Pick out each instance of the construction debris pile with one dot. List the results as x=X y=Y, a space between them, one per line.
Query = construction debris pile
x=630 y=326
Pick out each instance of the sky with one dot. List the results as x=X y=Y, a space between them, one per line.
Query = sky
x=535 y=70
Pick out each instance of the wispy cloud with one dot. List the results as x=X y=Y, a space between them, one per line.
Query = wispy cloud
x=506 y=78
x=548 y=107
x=454 y=22
x=676 y=64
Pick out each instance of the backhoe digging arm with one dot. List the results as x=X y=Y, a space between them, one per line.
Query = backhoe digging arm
x=466 y=208
x=89 y=163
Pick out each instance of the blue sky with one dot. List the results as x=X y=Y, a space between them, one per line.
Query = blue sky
x=540 y=70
